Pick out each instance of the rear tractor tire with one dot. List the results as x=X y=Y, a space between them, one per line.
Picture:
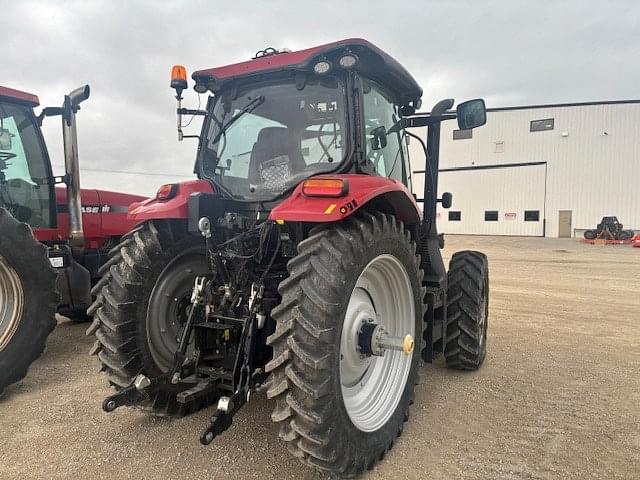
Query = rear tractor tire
x=28 y=299
x=467 y=310
x=141 y=304
x=338 y=409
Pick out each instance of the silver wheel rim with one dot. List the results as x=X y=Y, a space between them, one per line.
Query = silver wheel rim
x=11 y=302
x=373 y=386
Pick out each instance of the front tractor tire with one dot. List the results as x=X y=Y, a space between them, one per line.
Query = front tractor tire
x=467 y=310
x=141 y=304
x=338 y=409
x=28 y=299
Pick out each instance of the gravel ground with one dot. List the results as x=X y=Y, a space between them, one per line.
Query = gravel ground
x=558 y=395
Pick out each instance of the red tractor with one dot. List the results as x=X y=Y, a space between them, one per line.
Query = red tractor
x=299 y=263
x=52 y=240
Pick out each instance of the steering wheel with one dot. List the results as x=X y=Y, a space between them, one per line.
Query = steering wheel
x=4 y=156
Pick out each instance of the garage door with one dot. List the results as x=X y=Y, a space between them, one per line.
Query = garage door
x=506 y=200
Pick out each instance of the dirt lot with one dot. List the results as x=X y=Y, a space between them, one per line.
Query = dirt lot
x=558 y=396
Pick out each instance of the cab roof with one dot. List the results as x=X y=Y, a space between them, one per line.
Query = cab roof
x=373 y=63
x=19 y=96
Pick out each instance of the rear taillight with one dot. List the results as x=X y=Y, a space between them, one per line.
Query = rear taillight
x=325 y=187
x=167 y=191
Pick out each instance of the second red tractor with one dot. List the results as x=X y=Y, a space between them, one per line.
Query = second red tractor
x=53 y=236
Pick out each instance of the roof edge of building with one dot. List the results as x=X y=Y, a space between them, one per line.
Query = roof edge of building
x=560 y=105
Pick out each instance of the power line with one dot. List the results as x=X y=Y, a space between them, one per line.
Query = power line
x=130 y=172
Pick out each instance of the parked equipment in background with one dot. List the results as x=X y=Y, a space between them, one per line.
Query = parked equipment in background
x=609 y=228
x=636 y=241
x=52 y=239
x=299 y=262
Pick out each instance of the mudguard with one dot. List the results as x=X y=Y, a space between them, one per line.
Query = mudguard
x=388 y=194
x=176 y=207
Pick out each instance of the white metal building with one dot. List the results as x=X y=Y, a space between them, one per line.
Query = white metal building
x=542 y=170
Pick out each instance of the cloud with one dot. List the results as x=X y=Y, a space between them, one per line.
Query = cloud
x=510 y=52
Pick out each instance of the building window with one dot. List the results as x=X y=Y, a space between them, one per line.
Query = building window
x=462 y=134
x=541 y=125
x=499 y=147
x=490 y=215
x=455 y=216
x=532 y=215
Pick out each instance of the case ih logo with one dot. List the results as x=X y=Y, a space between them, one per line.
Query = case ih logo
x=96 y=208
x=510 y=216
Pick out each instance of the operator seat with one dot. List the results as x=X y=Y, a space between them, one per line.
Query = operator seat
x=275 y=158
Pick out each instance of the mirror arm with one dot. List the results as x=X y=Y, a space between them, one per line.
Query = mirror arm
x=188 y=111
x=49 y=112
x=425 y=119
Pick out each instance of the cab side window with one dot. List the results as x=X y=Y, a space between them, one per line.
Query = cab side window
x=24 y=187
x=384 y=151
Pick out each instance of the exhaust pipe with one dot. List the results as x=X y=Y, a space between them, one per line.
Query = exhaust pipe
x=70 y=107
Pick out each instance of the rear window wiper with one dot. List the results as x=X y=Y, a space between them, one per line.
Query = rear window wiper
x=248 y=108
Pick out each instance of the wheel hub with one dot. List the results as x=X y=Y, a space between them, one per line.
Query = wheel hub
x=11 y=302
x=375 y=340
x=376 y=343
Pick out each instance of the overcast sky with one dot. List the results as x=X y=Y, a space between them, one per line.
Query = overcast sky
x=509 y=52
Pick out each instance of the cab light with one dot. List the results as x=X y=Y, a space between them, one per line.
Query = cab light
x=322 y=67
x=325 y=187
x=348 y=61
x=167 y=191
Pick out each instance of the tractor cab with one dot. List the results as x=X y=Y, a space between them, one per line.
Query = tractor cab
x=25 y=171
x=27 y=184
x=276 y=120
x=285 y=116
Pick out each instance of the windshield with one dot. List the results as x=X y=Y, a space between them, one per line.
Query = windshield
x=262 y=140
x=24 y=170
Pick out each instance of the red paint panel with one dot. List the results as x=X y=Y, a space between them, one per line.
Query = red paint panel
x=275 y=62
x=47 y=235
x=19 y=95
x=104 y=216
x=374 y=63
x=362 y=189
x=177 y=207
x=115 y=222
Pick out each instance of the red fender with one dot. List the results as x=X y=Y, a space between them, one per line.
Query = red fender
x=176 y=207
x=391 y=195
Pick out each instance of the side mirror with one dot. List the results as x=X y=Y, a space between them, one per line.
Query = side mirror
x=446 y=200
x=471 y=114
x=379 y=140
